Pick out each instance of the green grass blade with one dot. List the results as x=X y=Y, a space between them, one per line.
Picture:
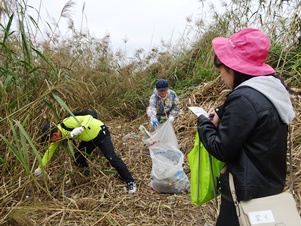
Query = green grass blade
x=6 y=30
x=15 y=136
x=7 y=83
x=29 y=140
x=50 y=105
x=25 y=43
x=14 y=150
x=24 y=151
x=63 y=104
x=44 y=58
x=71 y=148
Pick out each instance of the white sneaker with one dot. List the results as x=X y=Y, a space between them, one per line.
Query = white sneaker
x=132 y=187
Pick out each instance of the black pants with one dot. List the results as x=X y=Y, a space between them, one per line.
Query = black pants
x=227 y=215
x=104 y=143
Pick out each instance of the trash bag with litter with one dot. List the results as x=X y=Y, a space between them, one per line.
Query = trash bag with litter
x=167 y=172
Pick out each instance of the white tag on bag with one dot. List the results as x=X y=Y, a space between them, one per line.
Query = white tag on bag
x=261 y=217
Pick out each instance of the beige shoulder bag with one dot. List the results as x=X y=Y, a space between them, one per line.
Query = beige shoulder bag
x=275 y=210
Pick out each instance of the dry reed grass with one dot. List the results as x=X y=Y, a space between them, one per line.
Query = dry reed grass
x=66 y=197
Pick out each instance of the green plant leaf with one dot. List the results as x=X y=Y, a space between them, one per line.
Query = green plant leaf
x=44 y=58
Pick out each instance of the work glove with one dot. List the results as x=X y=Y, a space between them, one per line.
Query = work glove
x=76 y=131
x=154 y=121
x=38 y=172
x=171 y=118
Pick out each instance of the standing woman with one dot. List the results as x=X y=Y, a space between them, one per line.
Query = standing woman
x=250 y=131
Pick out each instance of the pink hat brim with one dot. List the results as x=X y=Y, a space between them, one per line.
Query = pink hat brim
x=226 y=55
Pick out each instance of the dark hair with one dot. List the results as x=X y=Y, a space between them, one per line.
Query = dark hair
x=240 y=78
x=47 y=131
x=217 y=63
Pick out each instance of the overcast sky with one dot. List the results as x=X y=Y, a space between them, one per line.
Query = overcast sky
x=143 y=23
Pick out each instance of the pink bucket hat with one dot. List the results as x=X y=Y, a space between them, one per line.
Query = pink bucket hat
x=245 y=52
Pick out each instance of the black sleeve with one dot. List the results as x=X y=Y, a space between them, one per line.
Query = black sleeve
x=226 y=141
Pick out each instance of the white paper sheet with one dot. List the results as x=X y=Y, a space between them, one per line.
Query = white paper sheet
x=198 y=111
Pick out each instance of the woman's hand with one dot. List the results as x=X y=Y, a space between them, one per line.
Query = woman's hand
x=213 y=117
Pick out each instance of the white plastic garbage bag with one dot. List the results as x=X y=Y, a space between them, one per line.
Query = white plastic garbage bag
x=166 y=160
x=167 y=172
x=164 y=133
x=179 y=183
x=168 y=175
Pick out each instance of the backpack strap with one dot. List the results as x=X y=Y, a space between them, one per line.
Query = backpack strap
x=65 y=127
x=93 y=113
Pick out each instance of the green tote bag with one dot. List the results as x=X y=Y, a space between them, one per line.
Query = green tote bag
x=204 y=169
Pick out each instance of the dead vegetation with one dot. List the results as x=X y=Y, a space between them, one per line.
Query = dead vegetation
x=66 y=197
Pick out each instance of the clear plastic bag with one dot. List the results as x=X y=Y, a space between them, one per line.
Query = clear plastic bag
x=177 y=184
x=167 y=161
x=164 y=133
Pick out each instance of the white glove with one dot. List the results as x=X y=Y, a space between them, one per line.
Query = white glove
x=38 y=172
x=171 y=118
x=76 y=131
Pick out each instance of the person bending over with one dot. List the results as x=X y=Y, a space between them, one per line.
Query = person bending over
x=91 y=133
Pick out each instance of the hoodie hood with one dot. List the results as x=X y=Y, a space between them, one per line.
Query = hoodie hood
x=274 y=90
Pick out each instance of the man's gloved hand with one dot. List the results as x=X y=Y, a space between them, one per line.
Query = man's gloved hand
x=154 y=121
x=171 y=118
x=38 y=172
x=76 y=131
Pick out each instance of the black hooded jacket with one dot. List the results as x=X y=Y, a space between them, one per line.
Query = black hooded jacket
x=252 y=140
